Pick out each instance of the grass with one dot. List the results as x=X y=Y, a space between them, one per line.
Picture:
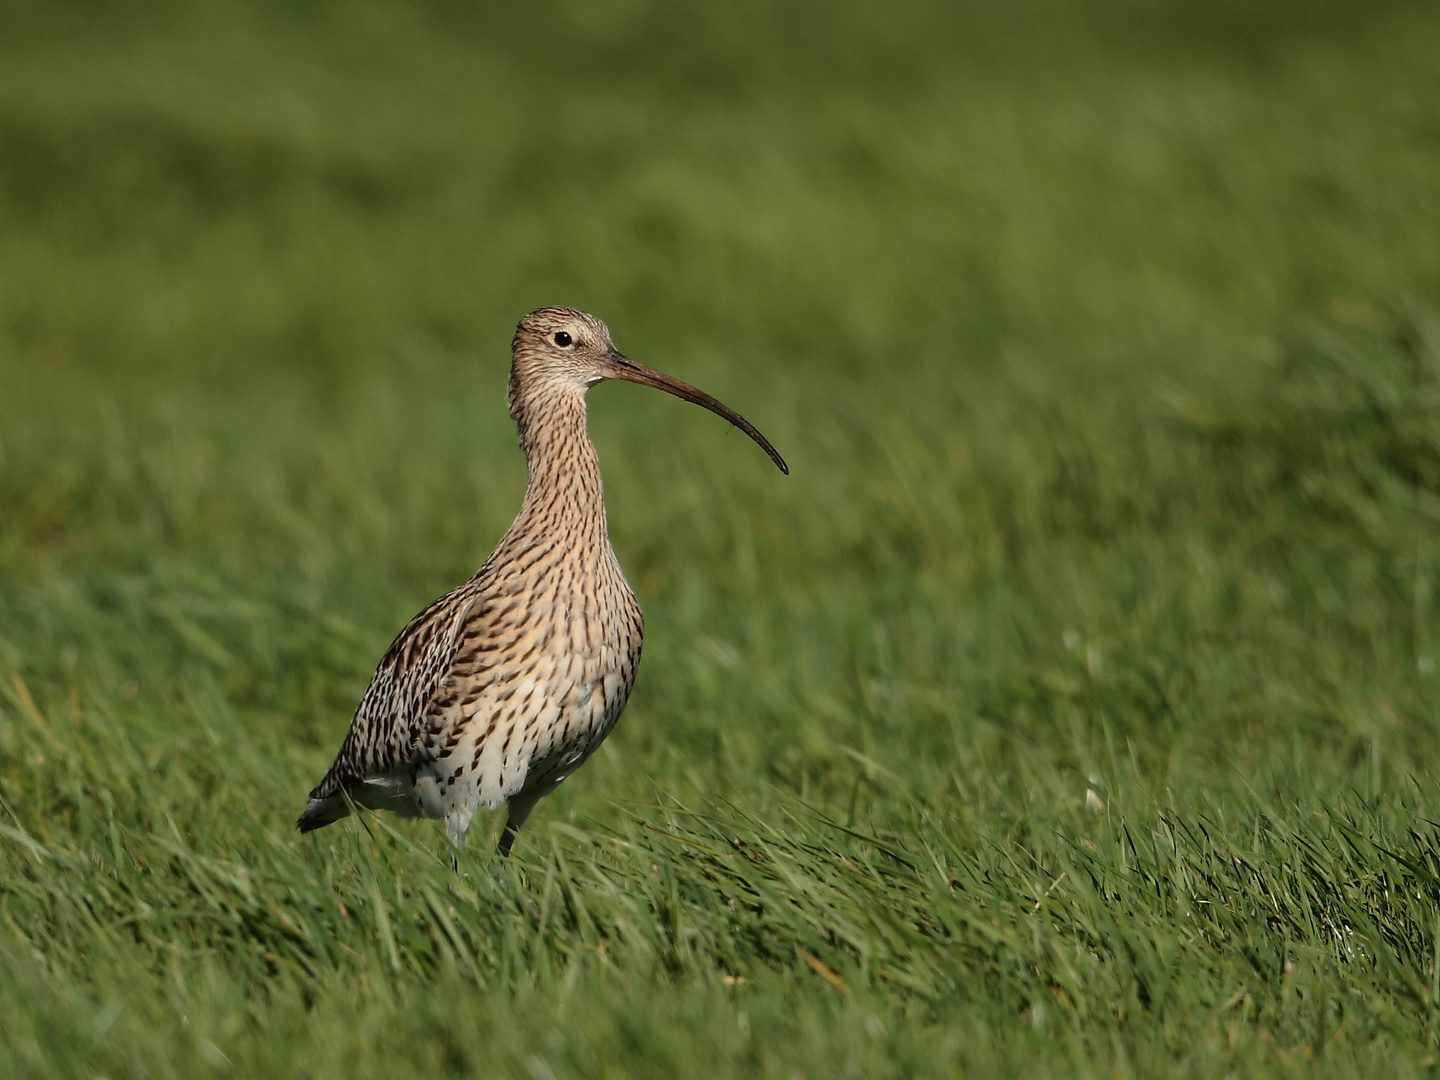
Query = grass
x=1070 y=710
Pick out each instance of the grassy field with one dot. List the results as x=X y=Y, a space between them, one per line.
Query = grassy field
x=1070 y=710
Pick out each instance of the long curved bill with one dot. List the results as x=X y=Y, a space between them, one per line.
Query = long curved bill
x=616 y=366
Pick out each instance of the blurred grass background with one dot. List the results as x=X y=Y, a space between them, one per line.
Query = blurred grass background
x=1069 y=710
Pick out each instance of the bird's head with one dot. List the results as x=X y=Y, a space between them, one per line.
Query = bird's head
x=559 y=349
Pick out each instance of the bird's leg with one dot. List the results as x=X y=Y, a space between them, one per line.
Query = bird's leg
x=520 y=807
x=507 y=840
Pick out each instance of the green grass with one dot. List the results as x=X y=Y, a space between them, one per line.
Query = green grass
x=1070 y=710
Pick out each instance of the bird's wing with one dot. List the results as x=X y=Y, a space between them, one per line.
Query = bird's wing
x=389 y=722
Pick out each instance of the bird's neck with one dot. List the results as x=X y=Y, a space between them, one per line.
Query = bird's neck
x=564 y=497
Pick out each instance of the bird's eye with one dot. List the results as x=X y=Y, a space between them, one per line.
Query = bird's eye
x=562 y=339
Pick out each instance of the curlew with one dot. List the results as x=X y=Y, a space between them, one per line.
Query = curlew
x=499 y=690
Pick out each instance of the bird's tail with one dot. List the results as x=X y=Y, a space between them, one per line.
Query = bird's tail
x=321 y=812
x=393 y=793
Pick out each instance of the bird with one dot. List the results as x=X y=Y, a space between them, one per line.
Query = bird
x=504 y=686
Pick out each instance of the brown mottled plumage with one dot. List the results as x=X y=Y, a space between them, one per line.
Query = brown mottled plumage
x=502 y=688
